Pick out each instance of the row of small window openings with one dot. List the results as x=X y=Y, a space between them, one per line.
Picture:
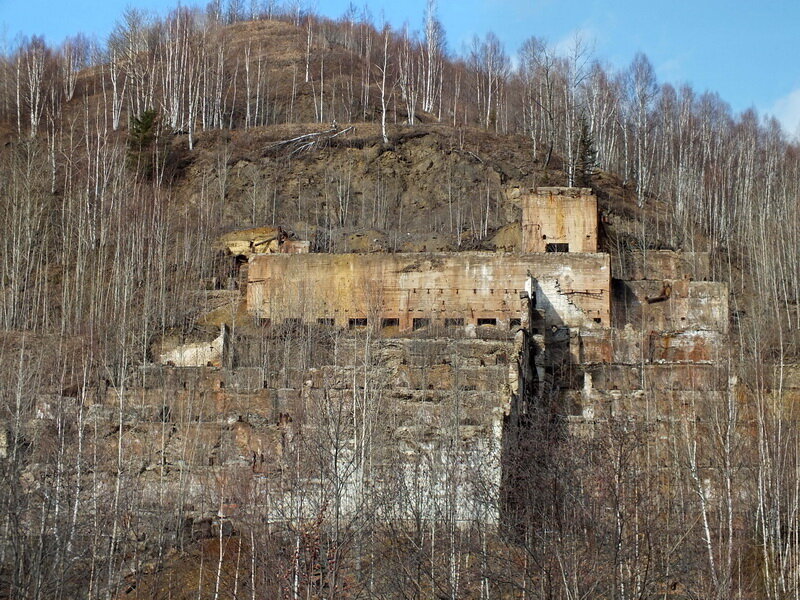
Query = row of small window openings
x=474 y=290
x=417 y=323
x=422 y=322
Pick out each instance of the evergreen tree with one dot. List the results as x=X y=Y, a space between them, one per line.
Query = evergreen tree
x=587 y=156
x=141 y=135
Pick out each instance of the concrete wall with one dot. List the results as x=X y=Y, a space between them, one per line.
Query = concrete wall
x=572 y=290
x=438 y=407
x=662 y=265
x=699 y=305
x=556 y=215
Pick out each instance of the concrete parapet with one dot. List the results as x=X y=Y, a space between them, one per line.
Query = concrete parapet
x=661 y=264
x=671 y=305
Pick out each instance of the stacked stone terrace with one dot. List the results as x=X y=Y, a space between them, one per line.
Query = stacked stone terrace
x=433 y=409
x=666 y=353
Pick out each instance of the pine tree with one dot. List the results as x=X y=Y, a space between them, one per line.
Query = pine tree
x=141 y=135
x=587 y=156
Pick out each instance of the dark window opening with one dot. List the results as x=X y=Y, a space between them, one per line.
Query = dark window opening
x=390 y=322
x=421 y=322
x=598 y=320
x=293 y=322
x=487 y=322
x=454 y=322
x=357 y=323
x=265 y=322
x=557 y=248
x=222 y=385
x=328 y=322
x=514 y=323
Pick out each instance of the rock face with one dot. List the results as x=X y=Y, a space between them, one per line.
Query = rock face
x=199 y=354
x=260 y=240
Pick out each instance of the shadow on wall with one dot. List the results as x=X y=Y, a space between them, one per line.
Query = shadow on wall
x=536 y=425
x=625 y=305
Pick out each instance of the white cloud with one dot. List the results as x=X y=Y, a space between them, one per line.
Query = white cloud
x=787 y=111
x=586 y=36
x=670 y=70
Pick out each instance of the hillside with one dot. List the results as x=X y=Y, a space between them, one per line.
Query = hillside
x=632 y=434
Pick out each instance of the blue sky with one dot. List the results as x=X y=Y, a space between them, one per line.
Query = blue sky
x=745 y=51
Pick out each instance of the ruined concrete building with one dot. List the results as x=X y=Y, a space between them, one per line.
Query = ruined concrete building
x=406 y=292
x=436 y=358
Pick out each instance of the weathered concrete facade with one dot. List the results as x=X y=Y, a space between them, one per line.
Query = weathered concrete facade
x=438 y=407
x=410 y=291
x=668 y=345
x=662 y=265
x=557 y=219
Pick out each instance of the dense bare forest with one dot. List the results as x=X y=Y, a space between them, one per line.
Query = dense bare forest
x=122 y=163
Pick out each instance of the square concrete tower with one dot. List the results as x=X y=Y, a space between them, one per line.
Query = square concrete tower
x=559 y=219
